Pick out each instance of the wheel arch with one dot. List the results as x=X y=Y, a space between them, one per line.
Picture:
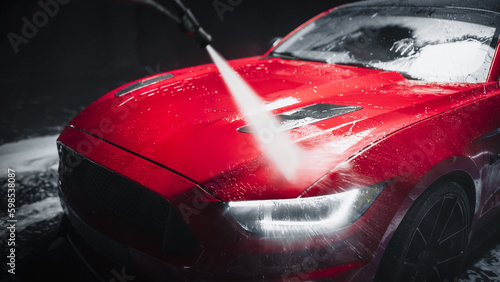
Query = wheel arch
x=459 y=169
x=465 y=181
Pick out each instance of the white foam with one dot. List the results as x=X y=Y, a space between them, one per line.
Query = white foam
x=485 y=269
x=34 y=154
x=27 y=215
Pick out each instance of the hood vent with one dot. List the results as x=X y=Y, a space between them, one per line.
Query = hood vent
x=307 y=115
x=143 y=83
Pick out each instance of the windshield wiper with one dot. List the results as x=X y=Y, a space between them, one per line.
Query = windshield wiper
x=286 y=55
x=291 y=56
x=408 y=76
x=359 y=65
x=368 y=66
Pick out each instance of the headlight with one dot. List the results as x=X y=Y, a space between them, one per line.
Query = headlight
x=279 y=218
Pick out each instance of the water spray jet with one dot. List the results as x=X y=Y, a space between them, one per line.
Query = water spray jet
x=275 y=144
x=282 y=153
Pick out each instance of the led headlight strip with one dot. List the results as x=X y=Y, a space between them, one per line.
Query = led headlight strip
x=303 y=216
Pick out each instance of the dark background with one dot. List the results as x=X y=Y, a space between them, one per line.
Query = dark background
x=89 y=47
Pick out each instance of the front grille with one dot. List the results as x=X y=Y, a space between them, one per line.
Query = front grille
x=119 y=196
x=141 y=208
x=108 y=247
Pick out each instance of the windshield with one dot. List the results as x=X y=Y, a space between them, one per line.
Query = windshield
x=430 y=44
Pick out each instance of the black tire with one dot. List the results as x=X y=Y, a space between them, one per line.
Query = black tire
x=431 y=241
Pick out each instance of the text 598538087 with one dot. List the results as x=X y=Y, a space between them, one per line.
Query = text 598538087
x=11 y=221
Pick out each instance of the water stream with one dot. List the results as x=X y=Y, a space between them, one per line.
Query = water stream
x=276 y=145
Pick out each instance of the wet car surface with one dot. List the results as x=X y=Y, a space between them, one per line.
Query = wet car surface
x=397 y=157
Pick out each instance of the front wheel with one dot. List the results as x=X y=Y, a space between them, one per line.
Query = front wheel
x=431 y=241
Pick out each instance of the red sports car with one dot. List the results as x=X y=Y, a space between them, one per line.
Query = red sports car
x=395 y=106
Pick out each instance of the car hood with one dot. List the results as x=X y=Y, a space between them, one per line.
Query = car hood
x=189 y=122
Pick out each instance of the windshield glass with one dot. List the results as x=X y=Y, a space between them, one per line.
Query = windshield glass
x=430 y=44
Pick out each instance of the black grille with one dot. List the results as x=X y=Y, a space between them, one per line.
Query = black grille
x=112 y=249
x=130 y=201
x=135 y=204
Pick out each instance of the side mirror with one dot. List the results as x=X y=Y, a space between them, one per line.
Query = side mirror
x=274 y=41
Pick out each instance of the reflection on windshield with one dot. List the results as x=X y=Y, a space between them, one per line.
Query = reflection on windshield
x=421 y=47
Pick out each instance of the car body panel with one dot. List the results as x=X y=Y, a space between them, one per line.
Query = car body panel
x=179 y=138
x=187 y=117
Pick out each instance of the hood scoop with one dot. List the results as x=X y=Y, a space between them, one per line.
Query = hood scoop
x=307 y=115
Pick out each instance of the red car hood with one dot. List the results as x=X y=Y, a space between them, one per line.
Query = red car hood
x=189 y=122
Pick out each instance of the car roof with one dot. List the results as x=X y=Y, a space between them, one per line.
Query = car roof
x=486 y=5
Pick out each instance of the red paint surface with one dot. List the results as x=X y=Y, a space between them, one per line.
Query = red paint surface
x=408 y=133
